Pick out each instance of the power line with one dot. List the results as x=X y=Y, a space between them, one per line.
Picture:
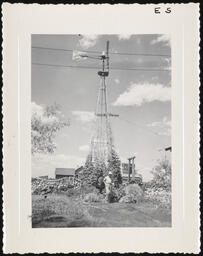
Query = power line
x=88 y=67
x=116 y=53
x=65 y=66
x=141 y=126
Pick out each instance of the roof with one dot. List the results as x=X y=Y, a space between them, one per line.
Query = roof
x=79 y=169
x=65 y=171
x=168 y=149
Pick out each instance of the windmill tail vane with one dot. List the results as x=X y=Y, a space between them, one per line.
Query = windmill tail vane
x=77 y=55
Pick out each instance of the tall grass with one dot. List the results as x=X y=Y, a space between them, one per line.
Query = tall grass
x=60 y=207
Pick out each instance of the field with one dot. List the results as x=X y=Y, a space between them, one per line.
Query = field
x=61 y=210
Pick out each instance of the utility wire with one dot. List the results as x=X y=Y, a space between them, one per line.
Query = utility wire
x=141 y=126
x=88 y=67
x=116 y=53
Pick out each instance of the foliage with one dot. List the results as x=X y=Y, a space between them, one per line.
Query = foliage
x=100 y=169
x=92 y=198
x=85 y=189
x=117 y=193
x=159 y=189
x=114 y=165
x=160 y=196
x=91 y=172
x=162 y=176
x=133 y=194
x=45 y=123
x=88 y=175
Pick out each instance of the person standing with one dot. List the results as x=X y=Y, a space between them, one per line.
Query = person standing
x=100 y=184
x=108 y=184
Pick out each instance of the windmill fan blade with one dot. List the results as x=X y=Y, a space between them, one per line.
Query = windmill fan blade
x=77 y=55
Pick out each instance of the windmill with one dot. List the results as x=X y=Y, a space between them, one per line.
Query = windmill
x=102 y=140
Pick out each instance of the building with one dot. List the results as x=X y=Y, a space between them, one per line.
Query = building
x=125 y=174
x=64 y=172
x=44 y=177
x=124 y=171
x=78 y=171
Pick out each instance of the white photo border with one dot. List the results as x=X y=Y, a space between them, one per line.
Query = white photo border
x=19 y=22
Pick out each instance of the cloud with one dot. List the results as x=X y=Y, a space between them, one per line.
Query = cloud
x=138 y=94
x=84 y=116
x=165 y=39
x=84 y=148
x=146 y=173
x=117 y=81
x=45 y=164
x=124 y=36
x=164 y=126
x=88 y=41
x=164 y=122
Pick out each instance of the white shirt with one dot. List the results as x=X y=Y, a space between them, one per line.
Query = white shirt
x=107 y=180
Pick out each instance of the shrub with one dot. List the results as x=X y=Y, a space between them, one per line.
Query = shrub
x=92 y=198
x=158 y=190
x=86 y=189
x=133 y=194
x=161 y=176
x=71 y=192
x=159 y=195
x=114 y=165
x=117 y=193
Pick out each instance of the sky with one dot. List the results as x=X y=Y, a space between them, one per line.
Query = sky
x=142 y=98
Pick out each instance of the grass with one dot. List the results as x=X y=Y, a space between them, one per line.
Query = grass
x=65 y=210
x=59 y=210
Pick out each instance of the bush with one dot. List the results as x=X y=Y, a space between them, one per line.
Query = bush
x=117 y=193
x=133 y=194
x=86 y=189
x=92 y=198
x=159 y=195
x=158 y=190
x=161 y=176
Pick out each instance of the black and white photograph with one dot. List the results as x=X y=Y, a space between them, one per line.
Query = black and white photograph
x=101 y=130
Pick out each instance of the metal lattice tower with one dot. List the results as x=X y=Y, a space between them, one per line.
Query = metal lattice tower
x=102 y=139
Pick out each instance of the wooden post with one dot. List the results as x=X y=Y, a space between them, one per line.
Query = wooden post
x=129 y=162
x=133 y=168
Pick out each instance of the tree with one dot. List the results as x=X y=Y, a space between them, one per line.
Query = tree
x=162 y=175
x=99 y=168
x=91 y=171
x=114 y=165
x=159 y=188
x=88 y=175
x=45 y=123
